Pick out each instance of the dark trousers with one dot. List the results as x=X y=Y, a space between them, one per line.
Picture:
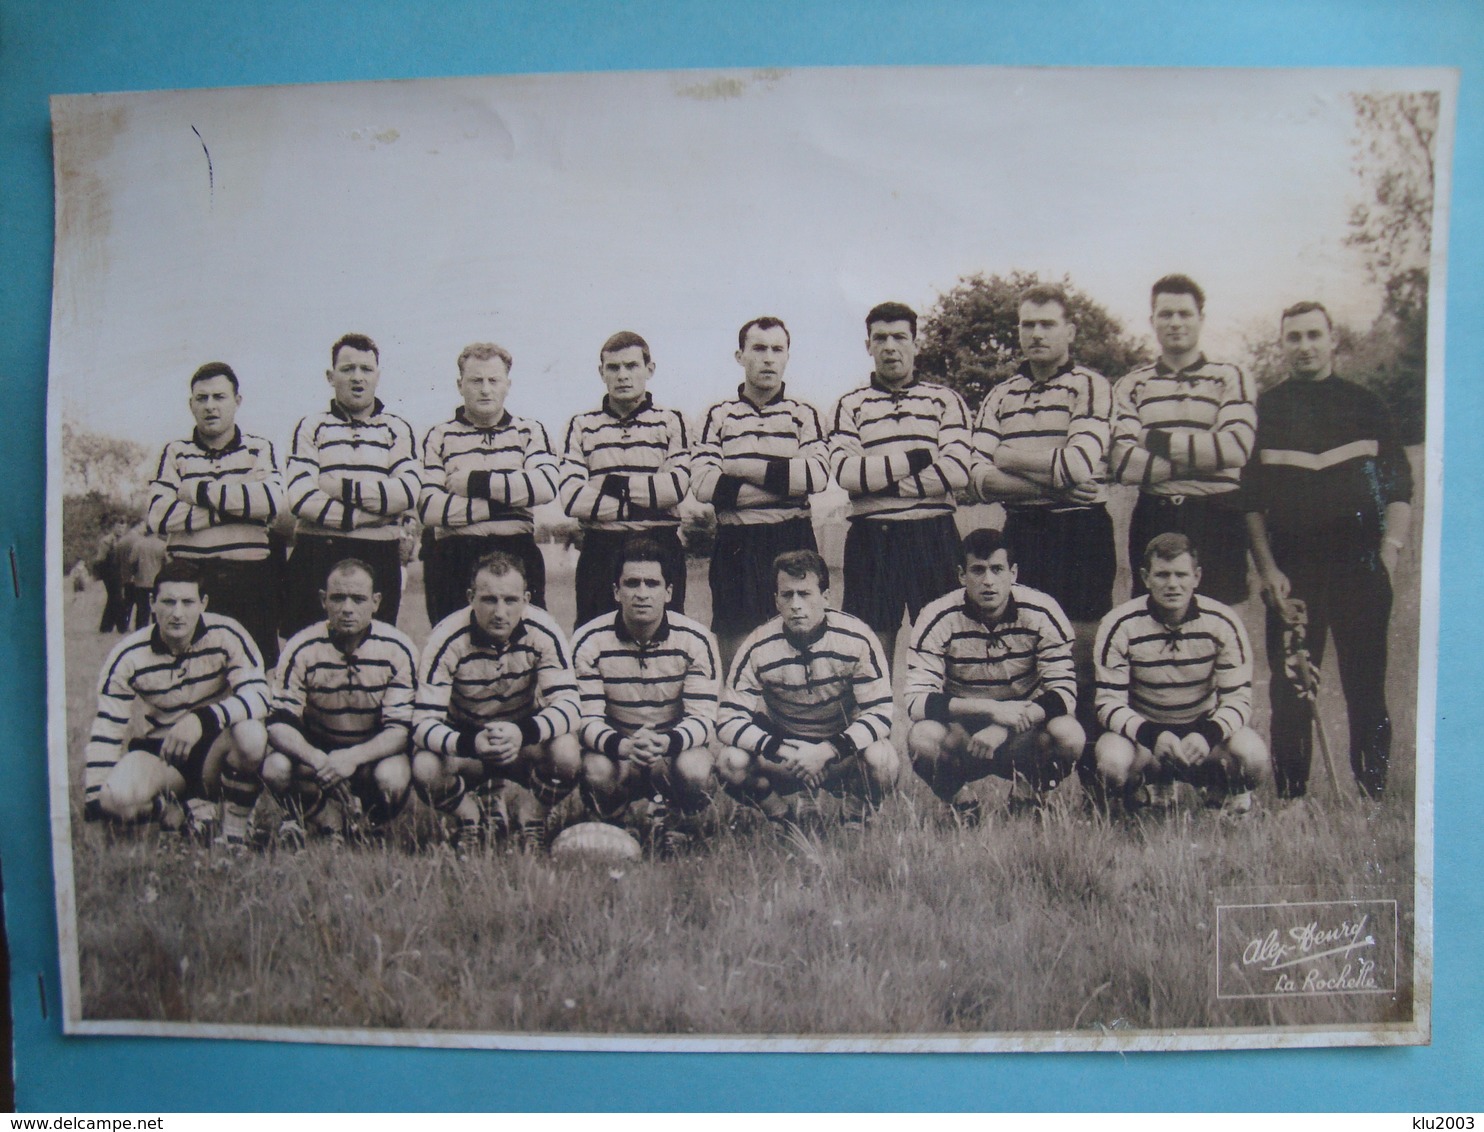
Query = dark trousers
x=138 y=606
x=449 y=567
x=1067 y=553
x=1217 y=529
x=600 y=550
x=1349 y=593
x=743 y=584
x=249 y=593
x=890 y=563
x=310 y=564
x=115 y=605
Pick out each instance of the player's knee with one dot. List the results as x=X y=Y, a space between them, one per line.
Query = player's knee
x=249 y=745
x=693 y=768
x=733 y=765
x=428 y=769
x=127 y=794
x=882 y=763
x=1250 y=753
x=563 y=757
x=277 y=771
x=1115 y=757
x=1066 y=736
x=599 y=773
x=393 y=776
x=925 y=742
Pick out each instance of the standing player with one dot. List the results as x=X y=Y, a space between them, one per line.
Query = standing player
x=213 y=498
x=352 y=471
x=760 y=457
x=496 y=705
x=343 y=711
x=809 y=704
x=1175 y=690
x=1183 y=428
x=990 y=685
x=483 y=471
x=1330 y=497
x=625 y=469
x=648 y=680
x=199 y=680
x=900 y=447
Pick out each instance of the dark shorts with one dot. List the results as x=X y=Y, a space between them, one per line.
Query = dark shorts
x=1216 y=528
x=192 y=768
x=450 y=563
x=600 y=550
x=892 y=563
x=247 y=592
x=309 y=566
x=742 y=580
x=1067 y=553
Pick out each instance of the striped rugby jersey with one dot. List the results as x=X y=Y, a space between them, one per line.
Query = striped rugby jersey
x=760 y=463
x=1067 y=415
x=900 y=455
x=1149 y=674
x=468 y=679
x=346 y=475
x=1328 y=461
x=511 y=468
x=337 y=699
x=625 y=473
x=668 y=684
x=834 y=686
x=1025 y=655
x=216 y=503
x=1208 y=421
x=219 y=677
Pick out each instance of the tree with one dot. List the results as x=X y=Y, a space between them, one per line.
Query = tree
x=970 y=338
x=1395 y=135
x=112 y=468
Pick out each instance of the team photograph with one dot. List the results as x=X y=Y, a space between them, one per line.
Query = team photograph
x=796 y=560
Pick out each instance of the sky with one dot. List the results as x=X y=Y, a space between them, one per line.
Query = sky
x=255 y=226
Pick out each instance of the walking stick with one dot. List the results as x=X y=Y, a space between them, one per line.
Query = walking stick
x=1305 y=678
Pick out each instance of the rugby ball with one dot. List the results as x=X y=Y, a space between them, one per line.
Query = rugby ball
x=597 y=841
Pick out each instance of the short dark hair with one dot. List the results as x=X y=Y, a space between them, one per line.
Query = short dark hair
x=622 y=341
x=215 y=369
x=177 y=570
x=498 y=563
x=1168 y=547
x=982 y=543
x=891 y=312
x=483 y=352
x=642 y=549
x=1308 y=306
x=345 y=565
x=763 y=322
x=1178 y=285
x=1043 y=293
x=800 y=564
x=353 y=342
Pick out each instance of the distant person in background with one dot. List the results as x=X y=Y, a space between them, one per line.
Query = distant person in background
x=106 y=566
x=146 y=554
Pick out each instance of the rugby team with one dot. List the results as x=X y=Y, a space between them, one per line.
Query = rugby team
x=1017 y=665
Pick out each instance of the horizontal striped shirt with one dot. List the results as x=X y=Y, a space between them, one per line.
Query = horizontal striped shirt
x=353 y=476
x=625 y=473
x=902 y=454
x=1025 y=655
x=338 y=699
x=1207 y=414
x=468 y=679
x=509 y=466
x=1150 y=673
x=216 y=502
x=218 y=677
x=668 y=684
x=760 y=463
x=833 y=685
x=1066 y=415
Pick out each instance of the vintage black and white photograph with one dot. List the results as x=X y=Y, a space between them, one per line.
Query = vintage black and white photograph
x=793 y=559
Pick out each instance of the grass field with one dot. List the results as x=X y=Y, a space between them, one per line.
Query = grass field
x=1021 y=925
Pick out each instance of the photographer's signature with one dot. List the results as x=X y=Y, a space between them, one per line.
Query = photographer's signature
x=1308 y=944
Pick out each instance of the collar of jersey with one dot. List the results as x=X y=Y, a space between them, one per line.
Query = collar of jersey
x=813 y=637
x=1024 y=370
x=230 y=446
x=645 y=404
x=338 y=410
x=1168 y=371
x=485 y=641
x=157 y=642
x=1192 y=611
x=463 y=419
x=746 y=400
x=881 y=387
x=1012 y=611
x=335 y=642
x=621 y=631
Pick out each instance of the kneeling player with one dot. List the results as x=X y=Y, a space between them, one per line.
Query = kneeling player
x=809 y=704
x=648 y=680
x=1175 y=690
x=200 y=679
x=496 y=705
x=343 y=711
x=990 y=684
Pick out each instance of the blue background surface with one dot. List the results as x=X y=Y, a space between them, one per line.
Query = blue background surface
x=94 y=46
